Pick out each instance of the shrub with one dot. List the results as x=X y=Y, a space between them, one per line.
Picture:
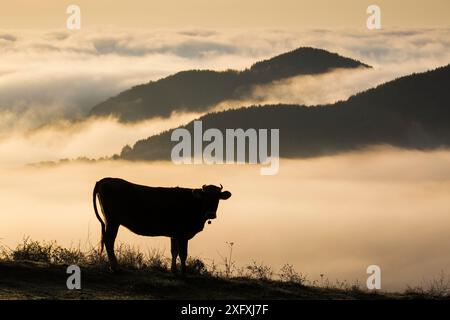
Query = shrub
x=437 y=287
x=196 y=266
x=49 y=252
x=34 y=251
x=259 y=271
x=157 y=261
x=130 y=257
x=288 y=274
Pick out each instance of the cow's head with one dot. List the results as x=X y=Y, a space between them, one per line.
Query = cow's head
x=210 y=196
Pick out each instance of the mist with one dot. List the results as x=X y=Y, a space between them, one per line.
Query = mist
x=52 y=75
x=312 y=90
x=93 y=138
x=331 y=215
x=328 y=88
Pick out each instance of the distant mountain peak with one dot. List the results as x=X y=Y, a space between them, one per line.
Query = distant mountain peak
x=306 y=60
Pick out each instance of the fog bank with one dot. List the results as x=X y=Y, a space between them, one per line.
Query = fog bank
x=333 y=215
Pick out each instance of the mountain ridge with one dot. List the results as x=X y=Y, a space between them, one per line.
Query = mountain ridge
x=409 y=112
x=199 y=90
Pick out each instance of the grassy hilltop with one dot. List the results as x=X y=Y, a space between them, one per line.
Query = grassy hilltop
x=36 y=270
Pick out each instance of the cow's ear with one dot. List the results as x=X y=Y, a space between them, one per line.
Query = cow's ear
x=225 y=195
x=197 y=193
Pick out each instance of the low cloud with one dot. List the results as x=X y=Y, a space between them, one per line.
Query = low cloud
x=328 y=88
x=7 y=37
x=312 y=90
x=93 y=138
x=333 y=215
x=46 y=77
x=192 y=49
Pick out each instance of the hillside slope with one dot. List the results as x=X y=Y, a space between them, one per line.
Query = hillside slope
x=409 y=112
x=198 y=90
x=33 y=280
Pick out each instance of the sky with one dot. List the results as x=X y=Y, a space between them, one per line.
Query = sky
x=225 y=14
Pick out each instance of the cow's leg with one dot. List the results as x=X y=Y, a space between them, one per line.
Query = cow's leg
x=110 y=238
x=174 y=250
x=183 y=247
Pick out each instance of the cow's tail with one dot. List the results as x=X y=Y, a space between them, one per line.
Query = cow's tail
x=94 y=198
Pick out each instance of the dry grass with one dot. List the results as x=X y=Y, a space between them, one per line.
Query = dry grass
x=437 y=287
x=133 y=259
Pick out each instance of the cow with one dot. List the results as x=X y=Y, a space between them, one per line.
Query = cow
x=178 y=213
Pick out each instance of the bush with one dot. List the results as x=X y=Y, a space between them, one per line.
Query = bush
x=196 y=266
x=130 y=257
x=438 y=287
x=61 y=255
x=49 y=252
x=288 y=274
x=157 y=261
x=34 y=251
x=259 y=271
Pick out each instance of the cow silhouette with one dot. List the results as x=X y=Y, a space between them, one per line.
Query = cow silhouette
x=178 y=213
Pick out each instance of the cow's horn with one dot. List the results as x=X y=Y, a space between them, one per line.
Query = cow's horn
x=221 y=187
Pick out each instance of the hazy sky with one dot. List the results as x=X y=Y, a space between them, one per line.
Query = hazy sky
x=229 y=13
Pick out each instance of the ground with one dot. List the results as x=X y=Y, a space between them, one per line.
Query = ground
x=37 y=280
